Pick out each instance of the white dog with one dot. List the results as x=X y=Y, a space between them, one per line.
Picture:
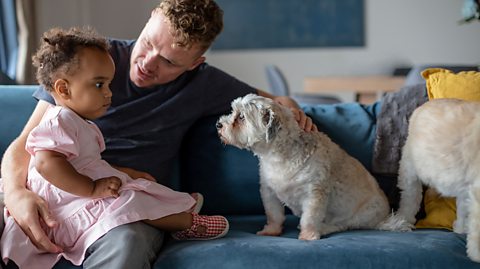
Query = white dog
x=442 y=150
x=328 y=189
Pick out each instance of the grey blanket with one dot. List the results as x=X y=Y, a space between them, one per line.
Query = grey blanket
x=392 y=127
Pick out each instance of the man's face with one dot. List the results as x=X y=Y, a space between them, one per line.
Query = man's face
x=154 y=61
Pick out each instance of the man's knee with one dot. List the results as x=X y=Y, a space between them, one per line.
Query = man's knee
x=134 y=245
x=137 y=237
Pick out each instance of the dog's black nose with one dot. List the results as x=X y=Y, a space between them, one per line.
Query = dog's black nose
x=218 y=125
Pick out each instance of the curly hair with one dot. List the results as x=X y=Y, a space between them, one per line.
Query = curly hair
x=193 y=21
x=58 y=49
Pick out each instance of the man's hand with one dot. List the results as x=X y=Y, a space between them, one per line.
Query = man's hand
x=304 y=121
x=28 y=210
x=106 y=187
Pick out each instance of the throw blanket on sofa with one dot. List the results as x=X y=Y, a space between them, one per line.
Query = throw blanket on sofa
x=392 y=127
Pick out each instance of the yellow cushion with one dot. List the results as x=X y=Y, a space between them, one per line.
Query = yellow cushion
x=443 y=83
x=440 y=211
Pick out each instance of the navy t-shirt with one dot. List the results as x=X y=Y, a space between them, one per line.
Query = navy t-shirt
x=144 y=127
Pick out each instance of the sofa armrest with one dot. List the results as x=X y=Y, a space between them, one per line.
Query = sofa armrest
x=16 y=106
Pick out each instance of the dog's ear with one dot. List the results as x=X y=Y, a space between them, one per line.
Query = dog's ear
x=271 y=124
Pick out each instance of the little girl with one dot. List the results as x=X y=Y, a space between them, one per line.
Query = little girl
x=86 y=195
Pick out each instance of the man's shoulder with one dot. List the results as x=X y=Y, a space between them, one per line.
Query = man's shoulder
x=121 y=43
x=217 y=79
x=209 y=71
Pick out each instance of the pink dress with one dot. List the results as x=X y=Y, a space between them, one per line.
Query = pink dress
x=82 y=220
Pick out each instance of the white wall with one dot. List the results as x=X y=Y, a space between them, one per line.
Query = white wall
x=398 y=33
x=113 y=18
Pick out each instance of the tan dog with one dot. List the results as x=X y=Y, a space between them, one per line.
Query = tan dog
x=328 y=189
x=443 y=151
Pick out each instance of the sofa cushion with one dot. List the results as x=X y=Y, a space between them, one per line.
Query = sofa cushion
x=242 y=248
x=440 y=212
x=443 y=83
x=414 y=76
x=350 y=125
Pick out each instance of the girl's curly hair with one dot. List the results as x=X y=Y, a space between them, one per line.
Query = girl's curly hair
x=193 y=21
x=58 y=48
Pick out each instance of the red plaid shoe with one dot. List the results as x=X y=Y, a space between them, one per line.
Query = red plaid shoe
x=214 y=227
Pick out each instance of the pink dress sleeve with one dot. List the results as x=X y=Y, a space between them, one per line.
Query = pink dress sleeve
x=57 y=134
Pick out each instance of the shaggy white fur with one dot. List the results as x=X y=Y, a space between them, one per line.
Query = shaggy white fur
x=328 y=189
x=442 y=151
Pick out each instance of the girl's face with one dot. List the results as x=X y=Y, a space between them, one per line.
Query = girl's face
x=88 y=87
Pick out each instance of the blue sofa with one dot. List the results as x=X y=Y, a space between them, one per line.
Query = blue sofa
x=228 y=178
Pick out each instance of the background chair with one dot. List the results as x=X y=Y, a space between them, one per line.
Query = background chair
x=279 y=86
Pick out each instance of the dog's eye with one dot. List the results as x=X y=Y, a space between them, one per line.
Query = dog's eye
x=241 y=117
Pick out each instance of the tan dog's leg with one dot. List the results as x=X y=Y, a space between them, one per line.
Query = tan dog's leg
x=410 y=186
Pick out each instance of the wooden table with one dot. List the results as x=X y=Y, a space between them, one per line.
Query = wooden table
x=367 y=88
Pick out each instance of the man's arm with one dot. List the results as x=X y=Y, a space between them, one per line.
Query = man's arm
x=25 y=206
x=303 y=120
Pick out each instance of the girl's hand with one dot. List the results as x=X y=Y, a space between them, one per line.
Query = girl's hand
x=106 y=187
x=135 y=174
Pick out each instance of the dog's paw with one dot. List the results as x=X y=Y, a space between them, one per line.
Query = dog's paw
x=309 y=235
x=271 y=230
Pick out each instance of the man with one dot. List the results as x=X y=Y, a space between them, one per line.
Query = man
x=162 y=85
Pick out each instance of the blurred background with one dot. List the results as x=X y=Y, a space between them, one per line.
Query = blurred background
x=397 y=35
